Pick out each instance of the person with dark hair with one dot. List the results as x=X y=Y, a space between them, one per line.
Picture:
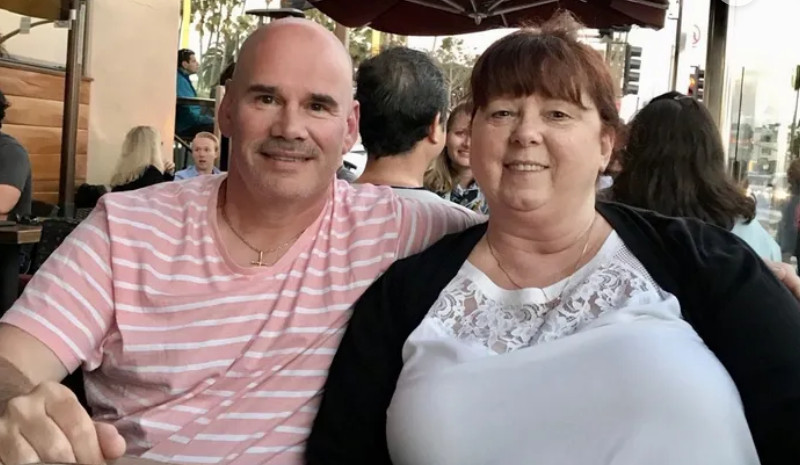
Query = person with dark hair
x=16 y=188
x=403 y=100
x=564 y=330
x=189 y=119
x=674 y=164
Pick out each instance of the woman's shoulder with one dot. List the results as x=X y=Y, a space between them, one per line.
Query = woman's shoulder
x=754 y=234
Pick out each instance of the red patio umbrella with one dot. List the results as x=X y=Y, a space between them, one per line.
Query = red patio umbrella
x=449 y=17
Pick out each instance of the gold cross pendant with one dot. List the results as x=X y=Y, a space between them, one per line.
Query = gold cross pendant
x=260 y=261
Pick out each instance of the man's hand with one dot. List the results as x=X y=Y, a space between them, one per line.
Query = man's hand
x=49 y=425
x=788 y=276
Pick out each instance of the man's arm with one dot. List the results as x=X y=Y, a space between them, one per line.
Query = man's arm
x=423 y=223
x=58 y=324
x=25 y=363
x=9 y=196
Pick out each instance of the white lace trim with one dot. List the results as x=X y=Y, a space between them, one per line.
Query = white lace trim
x=474 y=309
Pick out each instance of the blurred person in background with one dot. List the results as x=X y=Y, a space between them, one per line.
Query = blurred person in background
x=450 y=175
x=141 y=163
x=15 y=174
x=787 y=230
x=205 y=150
x=674 y=164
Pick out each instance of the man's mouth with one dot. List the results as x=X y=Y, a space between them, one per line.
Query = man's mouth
x=287 y=158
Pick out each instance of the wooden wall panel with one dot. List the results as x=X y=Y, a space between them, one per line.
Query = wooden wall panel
x=34 y=119
x=41 y=139
x=27 y=111
x=44 y=84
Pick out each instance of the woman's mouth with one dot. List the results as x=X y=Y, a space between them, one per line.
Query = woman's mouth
x=529 y=167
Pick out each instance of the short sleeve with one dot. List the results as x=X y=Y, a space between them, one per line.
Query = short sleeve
x=68 y=305
x=423 y=223
x=14 y=165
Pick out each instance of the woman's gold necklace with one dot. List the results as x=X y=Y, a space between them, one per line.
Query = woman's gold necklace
x=575 y=268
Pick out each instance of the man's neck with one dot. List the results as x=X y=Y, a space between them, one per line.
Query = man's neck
x=266 y=222
x=208 y=170
x=406 y=170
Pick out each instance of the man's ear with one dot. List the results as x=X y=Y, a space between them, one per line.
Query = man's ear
x=224 y=117
x=351 y=137
x=436 y=130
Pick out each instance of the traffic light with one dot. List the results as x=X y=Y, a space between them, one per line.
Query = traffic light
x=633 y=65
x=697 y=83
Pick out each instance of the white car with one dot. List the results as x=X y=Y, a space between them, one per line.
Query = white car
x=354 y=163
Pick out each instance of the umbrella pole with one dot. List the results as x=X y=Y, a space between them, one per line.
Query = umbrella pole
x=69 y=124
x=677 y=57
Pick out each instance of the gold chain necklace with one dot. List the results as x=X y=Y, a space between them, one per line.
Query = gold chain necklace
x=261 y=253
x=574 y=270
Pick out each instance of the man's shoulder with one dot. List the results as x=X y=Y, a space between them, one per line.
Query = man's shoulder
x=363 y=197
x=9 y=144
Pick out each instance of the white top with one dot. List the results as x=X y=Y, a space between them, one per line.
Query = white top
x=758 y=239
x=611 y=376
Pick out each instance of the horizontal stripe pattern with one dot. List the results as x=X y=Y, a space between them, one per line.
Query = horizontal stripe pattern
x=193 y=358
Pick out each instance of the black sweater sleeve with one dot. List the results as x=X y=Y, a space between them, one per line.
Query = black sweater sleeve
x=752 y=324
x=748 y=318
x=350 y=427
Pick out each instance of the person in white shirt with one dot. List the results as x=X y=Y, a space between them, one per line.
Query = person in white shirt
x=404 y=101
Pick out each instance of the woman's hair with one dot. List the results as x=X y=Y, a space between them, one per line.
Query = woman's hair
x=674 y=164
x=548 y=61
x=441 y=175
x=142 y=148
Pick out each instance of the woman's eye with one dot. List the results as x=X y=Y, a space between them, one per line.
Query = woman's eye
x=499 y=114
x=558 y=115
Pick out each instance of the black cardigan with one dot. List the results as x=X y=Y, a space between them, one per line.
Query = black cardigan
x=730 y=297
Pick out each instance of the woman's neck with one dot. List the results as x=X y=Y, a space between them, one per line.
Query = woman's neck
x=464 y=177
x=546 y=232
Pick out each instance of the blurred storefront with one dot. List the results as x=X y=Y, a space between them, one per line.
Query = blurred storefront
x=759 y=102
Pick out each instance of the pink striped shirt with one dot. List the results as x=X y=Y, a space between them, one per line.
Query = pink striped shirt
x=194 y=358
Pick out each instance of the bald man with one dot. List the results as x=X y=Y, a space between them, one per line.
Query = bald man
x=204 y=314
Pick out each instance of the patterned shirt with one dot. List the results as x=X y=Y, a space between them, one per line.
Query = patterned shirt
x=470 y=197
x=194 y=358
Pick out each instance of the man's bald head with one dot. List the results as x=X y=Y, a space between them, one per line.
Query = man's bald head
x=311 y=38
x=289 y=112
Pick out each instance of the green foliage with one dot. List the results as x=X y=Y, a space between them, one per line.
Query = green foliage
x=456 y=63
x=223 y=26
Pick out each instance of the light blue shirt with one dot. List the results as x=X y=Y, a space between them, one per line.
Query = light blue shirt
x=191 y=172
x=758 y=239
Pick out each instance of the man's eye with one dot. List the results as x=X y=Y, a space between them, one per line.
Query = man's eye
x=317 y=107
x=266 y=99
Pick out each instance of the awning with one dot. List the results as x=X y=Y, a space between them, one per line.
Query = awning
x=449 y=17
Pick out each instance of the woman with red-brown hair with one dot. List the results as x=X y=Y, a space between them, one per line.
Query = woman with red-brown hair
x=565 y=330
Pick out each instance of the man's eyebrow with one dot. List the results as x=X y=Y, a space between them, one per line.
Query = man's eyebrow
x=261 y=89
x=325 y=99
